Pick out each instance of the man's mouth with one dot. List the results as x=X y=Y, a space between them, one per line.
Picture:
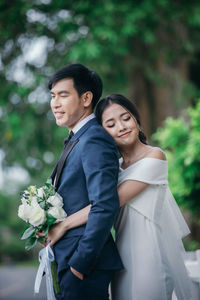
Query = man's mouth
x=59 y=115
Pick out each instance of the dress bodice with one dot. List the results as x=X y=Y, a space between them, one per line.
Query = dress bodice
x=156 y=202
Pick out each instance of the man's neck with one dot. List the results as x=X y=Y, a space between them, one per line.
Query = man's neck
x=82 y=122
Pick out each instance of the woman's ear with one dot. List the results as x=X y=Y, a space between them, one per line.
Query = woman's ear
x=87 y=98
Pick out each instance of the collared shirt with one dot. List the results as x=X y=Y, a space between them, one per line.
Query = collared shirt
x=83 y=122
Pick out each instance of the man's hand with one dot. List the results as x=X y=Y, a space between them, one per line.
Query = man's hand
x=76 y=273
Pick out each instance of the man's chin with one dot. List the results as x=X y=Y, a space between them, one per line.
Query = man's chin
x=60 y=123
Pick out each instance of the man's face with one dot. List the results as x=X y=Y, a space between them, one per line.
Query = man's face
x=67 y=107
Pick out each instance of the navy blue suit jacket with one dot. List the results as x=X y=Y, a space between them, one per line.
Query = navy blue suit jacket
x=90 y=176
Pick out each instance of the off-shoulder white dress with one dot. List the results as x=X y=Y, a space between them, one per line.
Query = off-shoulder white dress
x=148 y=235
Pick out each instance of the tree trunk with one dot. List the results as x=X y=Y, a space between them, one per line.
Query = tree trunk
x=158 y=100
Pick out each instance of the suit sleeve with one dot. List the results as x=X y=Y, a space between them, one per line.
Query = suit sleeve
x=100 y=164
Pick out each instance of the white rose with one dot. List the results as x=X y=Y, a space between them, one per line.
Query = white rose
x=34 y=202
x=37 y=216
x=24 y=200
x=40 y=192
x=24 y=211
x=55 y=200
x=58 y=213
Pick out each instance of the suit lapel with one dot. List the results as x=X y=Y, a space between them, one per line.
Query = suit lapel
x=67 y=151
x=74 y=140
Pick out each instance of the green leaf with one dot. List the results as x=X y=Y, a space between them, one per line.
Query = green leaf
x=41 y=239
x=46 y=230
x=28 y=232
x=49 y=185
x=25 y=229
x=30 y=243
x=42 y=204
x=50 y=219
x=49 y=181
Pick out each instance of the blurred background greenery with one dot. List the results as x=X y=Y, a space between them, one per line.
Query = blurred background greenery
x=147 y=50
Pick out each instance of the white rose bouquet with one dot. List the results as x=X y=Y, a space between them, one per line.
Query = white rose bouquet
x=40 y=208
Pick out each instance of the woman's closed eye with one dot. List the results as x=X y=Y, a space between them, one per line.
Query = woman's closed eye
x=110 y=125
x=127 y=118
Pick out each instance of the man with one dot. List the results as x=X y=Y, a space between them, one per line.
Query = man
x=86 y=174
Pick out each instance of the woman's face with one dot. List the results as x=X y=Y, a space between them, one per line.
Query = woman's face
x=120 y=124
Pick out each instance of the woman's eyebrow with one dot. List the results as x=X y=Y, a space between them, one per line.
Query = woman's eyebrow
x=111 y=119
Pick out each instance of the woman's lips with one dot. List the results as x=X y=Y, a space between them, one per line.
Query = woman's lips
x=124 y=134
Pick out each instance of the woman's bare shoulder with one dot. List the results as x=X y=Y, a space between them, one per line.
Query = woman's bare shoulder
x=156 y=152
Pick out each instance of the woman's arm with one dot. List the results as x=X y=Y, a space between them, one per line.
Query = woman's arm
x=126 y=191
x=129 y=189
x=77 y=219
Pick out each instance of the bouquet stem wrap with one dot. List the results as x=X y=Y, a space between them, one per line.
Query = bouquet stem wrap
x=46 y=256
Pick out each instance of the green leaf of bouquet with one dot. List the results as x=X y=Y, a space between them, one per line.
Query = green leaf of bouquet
x=27 y=233
x=50 y=219
x=25 y=229
x=41 y=239
x=49 y=185
x=49 y=181
x=30 y=243
x=46 y=230
x=42 y=204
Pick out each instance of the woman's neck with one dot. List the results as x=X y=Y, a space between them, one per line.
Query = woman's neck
x=133 y=153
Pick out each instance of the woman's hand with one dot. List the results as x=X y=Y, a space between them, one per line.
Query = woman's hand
x=40 y=234
x=56 y=232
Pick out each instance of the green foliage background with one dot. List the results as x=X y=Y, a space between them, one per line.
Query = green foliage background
x=130 y=44
x=180 y=138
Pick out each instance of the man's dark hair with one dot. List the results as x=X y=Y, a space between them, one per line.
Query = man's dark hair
x=84 y=80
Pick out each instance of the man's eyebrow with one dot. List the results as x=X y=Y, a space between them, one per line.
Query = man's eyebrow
x=60 y=92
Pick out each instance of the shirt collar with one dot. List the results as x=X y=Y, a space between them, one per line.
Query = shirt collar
x=83 y=122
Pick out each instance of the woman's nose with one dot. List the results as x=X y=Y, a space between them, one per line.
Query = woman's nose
x=121 y=126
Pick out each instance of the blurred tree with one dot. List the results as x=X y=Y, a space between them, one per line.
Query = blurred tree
x=141 y=48
x=144 y=49
x=180 y=138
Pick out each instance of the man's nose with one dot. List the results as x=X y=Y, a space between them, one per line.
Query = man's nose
x=56 y=101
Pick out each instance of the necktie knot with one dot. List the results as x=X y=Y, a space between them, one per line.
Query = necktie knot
x=66 y=140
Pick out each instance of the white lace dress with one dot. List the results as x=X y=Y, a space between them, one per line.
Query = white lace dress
x=148 y=235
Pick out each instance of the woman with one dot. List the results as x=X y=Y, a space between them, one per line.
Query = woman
x=150 y=226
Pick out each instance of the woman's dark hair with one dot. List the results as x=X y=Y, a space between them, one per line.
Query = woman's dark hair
x=84 y=80
x=127 y=104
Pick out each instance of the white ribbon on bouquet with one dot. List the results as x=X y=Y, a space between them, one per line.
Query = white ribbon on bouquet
x=46 y=256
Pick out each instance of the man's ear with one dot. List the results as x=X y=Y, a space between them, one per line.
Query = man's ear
x=87 y=98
